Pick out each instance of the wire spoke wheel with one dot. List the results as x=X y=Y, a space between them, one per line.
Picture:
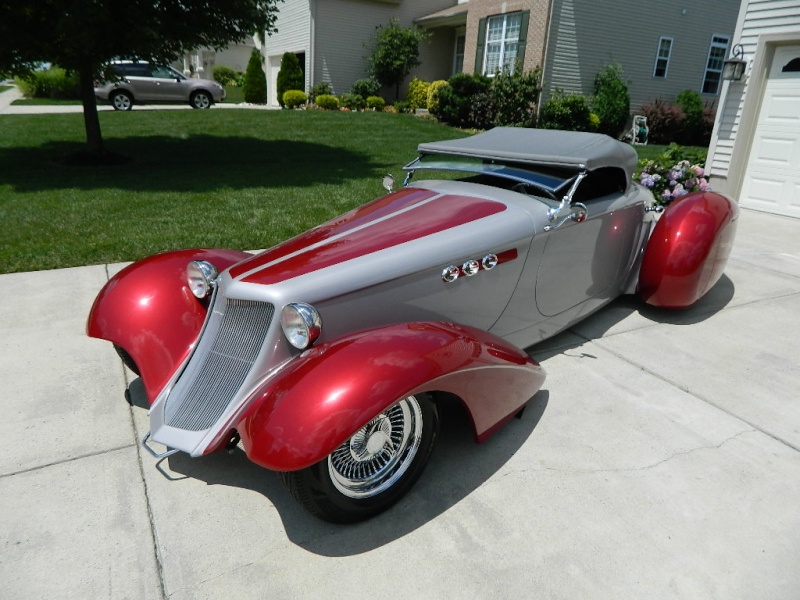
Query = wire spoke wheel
x=374 y=468
x=379 y=453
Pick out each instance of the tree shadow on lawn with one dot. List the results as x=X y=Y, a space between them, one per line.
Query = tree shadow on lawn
x=196 y=163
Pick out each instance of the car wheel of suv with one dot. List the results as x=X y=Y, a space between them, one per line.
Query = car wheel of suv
x=374 y=468
x=201 y=99
x=121 y=100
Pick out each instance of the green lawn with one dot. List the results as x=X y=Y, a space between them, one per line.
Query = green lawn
x=229 y=178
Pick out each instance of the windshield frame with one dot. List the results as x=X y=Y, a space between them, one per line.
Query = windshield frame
x=554 y=184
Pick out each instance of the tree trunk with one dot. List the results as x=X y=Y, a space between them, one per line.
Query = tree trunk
x=94 y=139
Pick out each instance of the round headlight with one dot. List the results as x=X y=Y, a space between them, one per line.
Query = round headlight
x=301 y=324
x=201 y=276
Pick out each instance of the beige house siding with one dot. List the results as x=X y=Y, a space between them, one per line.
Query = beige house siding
x=586 y=36
x=336 y=35
x=762 y=25
x=345 y=29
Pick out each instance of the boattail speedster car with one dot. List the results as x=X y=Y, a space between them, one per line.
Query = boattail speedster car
x=324 y=357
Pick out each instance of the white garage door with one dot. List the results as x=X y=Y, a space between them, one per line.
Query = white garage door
x=772 y=179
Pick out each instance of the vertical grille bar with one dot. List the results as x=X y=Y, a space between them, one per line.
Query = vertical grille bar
x=220 y=364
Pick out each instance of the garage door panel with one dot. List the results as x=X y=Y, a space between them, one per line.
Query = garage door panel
x=777 y=150
x=772 y=178
x=781 y=109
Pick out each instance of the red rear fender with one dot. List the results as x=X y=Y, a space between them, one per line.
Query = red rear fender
x=688 y=250
x=330 y=391
x=148 y=310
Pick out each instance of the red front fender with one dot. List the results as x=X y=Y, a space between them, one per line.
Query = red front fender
x=148 y=310
x=330 y=391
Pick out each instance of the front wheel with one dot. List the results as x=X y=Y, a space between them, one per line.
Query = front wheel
x=121 y=100
x=201 y=100
x=374 y=468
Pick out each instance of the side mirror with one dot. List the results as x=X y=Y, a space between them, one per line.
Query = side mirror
x=388 y=182
x=579 y=212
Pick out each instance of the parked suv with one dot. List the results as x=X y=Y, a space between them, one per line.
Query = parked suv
x=142 y=82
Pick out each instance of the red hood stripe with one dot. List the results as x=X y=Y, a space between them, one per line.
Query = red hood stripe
x=440 y=214
x=376 y=209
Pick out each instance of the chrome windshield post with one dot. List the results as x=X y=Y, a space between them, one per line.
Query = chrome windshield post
x=566 y=202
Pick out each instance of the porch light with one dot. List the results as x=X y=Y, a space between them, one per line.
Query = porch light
x=733 y=68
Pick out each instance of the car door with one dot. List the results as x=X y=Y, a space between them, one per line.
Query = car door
x=168 y=85
x=137 y=77
x=590 y=259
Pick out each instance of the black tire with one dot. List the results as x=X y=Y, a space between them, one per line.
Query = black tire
x=121 y=100
x=374 y=468
x=201 y=100
x=126 y=358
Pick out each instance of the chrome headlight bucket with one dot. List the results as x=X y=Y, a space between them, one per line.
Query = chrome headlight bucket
x=301 y=324
x=201 y=276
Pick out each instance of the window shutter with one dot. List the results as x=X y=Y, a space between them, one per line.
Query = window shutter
x=523 y=39
x=481 y=45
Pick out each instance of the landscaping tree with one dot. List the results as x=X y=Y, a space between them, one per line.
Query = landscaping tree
x=290 y=77
x=396 y=52
x=83 y=35
x=611 y=101
x=255 y=81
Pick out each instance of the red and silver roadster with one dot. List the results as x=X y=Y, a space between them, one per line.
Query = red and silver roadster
x=325 y=356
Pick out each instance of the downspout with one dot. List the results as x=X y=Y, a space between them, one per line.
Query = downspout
x=310 y=63
x=548 y=28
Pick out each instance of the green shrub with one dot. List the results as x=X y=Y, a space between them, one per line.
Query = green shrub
x=54 y=83
x=255 y=81
x=327 y=102
x=352 y=101
x=611 y=101
x=417 y=96
x=366 y=87
x=376 y=103
x=515 y=97
x=433 y=95
x=318 y=89
x=294 y=98
x=402 y=106
x=290 y=77
x=225 y=75
x=483 y=111
x=691 y=104
x=569 y=112
x=455 y=100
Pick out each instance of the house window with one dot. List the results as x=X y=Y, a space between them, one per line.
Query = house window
x=458 y=57
x=502 y=43
x=662 y=57
x=716 y=57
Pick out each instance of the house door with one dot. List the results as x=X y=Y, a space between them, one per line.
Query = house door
x=272 y=79
x=772 y=179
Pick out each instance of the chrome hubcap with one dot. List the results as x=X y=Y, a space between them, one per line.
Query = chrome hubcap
x=379 y=453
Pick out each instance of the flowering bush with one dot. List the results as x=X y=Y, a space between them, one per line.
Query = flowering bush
x=675 y=173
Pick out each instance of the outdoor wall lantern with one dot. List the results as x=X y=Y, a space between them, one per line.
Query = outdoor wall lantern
x=733 y=68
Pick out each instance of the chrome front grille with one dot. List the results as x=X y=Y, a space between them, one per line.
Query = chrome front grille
x=224 y=356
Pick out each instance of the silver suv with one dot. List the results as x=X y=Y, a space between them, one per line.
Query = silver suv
x=142 y=82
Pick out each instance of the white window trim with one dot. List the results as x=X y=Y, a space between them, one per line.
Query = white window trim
x=658 y=56
x=706 y=69
x=503 y=40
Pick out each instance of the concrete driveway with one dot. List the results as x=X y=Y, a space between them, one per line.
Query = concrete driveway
x=662 y=460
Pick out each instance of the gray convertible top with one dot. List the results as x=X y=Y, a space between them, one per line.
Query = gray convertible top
x=547 y=147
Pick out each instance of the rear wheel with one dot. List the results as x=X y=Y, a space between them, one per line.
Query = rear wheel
x=374 y=468
x=201 y=99
x=121 y=100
